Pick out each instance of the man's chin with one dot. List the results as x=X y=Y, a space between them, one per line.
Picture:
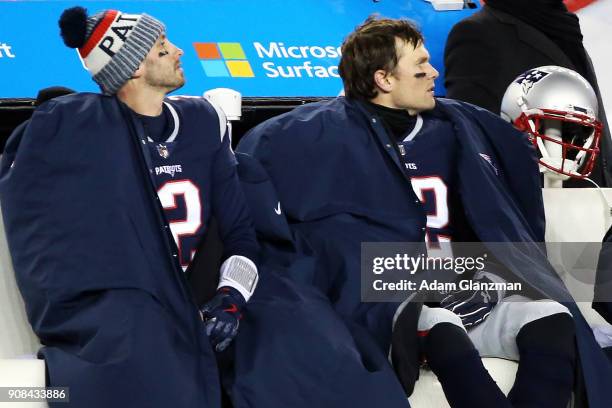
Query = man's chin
x=425 y=107
x=431 y=104
x=178 y=85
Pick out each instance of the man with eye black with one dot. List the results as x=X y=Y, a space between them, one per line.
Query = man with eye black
x=389 y=162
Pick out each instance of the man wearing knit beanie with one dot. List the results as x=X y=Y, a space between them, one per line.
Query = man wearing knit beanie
x=105 y=199
x=114 y=46
x=111 y=44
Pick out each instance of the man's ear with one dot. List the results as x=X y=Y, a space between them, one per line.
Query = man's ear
x=139 y=72
x=381 y=79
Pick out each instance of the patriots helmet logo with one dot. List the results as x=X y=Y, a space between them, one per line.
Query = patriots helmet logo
x=529 y=78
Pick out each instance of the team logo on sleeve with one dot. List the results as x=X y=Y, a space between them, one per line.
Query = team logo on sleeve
x=529 y=78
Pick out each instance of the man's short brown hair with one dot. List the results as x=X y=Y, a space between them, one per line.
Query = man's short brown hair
x=372 y=46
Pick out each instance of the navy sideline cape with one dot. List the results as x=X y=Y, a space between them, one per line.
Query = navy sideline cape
x=292 y=349
x=340 y=183
x=603 y=279
x=94 y=265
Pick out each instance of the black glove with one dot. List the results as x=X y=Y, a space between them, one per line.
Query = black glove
x=222 y=316
x=473 y=306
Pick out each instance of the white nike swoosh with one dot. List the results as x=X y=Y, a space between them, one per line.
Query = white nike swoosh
x=278 y=209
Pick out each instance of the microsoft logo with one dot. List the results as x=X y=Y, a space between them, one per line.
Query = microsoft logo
x=223 y=60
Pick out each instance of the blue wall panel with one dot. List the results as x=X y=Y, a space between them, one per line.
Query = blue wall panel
x=264 y=48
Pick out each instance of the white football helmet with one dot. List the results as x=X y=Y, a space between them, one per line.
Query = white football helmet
x=558 y=109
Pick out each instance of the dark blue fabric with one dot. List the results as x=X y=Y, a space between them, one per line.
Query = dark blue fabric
x=293 y=349
x=603 y=281
x=94 y=262
x=337 y=188
x=341 y=183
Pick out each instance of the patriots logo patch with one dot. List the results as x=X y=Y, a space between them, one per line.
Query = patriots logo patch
x=530 y=78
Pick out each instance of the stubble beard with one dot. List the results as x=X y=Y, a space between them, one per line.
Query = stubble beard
x=167 y=83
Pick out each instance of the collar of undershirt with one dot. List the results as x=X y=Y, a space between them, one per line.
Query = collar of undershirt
x=162 y=128
x=402 y=125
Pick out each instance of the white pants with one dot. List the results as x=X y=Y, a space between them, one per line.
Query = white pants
x=496 y=336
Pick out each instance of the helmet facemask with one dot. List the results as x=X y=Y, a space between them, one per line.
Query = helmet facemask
x=567 y=142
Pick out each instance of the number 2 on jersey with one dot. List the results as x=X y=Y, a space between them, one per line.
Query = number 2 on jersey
x=437 y=214
x=188 y=226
